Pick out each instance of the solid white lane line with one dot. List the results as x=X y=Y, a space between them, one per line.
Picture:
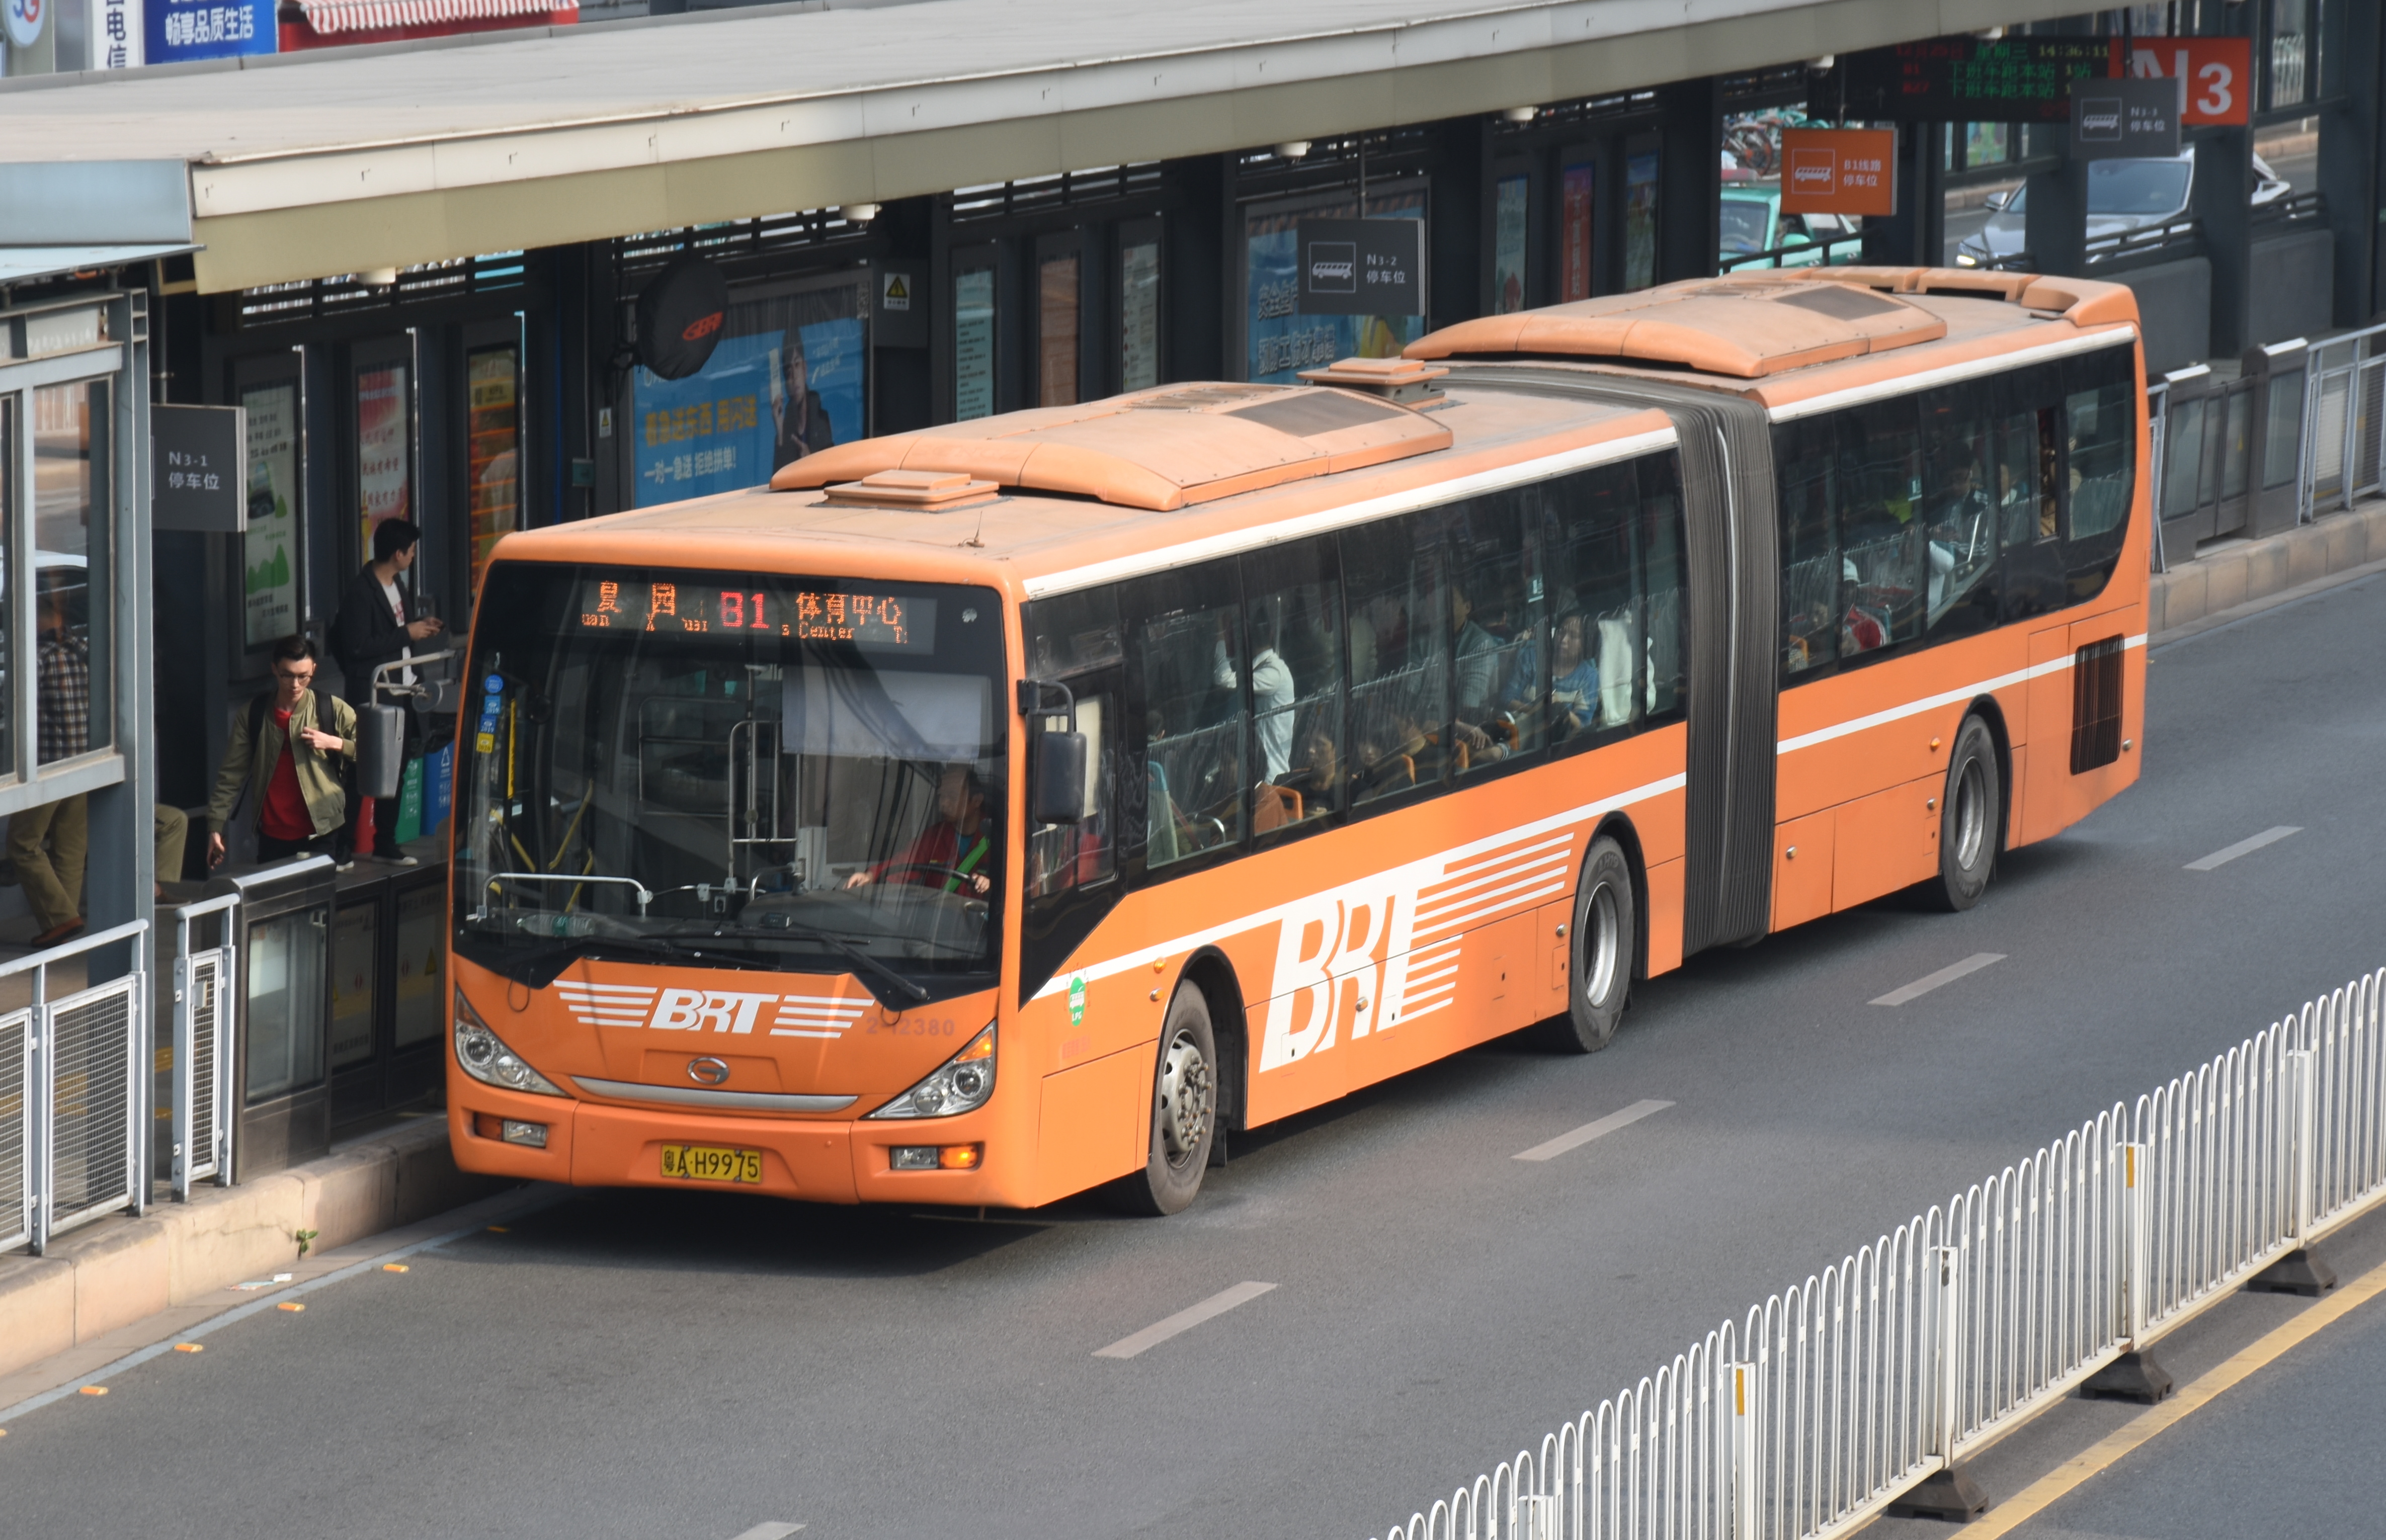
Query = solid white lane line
x=1183 y=1320
x=2244 y=847
x=774 y=1531
x=1587 y=1132
x=1948 y=974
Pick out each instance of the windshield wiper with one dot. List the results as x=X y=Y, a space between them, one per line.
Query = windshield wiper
x=542 y=965
x=918 y=995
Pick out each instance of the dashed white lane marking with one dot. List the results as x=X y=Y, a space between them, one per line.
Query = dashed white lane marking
x=1575 y=1139
x=1183 y=1320
x=2243 y=848
x=1948 y=974
x=773 y=1531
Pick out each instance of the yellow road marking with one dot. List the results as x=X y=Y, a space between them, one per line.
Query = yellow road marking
x=2035 y=1498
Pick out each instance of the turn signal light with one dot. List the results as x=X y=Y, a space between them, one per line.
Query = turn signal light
x=929 y=1157
x=509 y=1130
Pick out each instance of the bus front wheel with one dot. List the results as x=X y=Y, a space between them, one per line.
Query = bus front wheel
x=1967 y=819
x=1183 y=1110
x=1600 y=949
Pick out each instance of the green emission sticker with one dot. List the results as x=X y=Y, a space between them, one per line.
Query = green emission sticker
x=1077 y=1002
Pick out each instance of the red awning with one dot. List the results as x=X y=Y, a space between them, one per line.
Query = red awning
x=358 y=15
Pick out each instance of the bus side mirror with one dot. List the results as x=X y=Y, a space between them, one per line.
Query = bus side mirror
x=1056 y=779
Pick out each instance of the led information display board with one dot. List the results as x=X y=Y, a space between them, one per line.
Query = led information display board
x=699 y=606
x=2028 y=79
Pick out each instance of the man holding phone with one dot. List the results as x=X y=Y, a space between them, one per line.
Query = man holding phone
x=281 y=750
x=380 y=620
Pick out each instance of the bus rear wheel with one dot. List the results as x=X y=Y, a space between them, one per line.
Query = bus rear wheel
x=1967 y=819
x=1601 y=945
x=1183 y=1110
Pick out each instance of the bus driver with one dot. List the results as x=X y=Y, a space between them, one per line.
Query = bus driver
x=957 y=853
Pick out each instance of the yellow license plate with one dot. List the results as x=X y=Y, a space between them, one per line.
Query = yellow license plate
x=712 y=1163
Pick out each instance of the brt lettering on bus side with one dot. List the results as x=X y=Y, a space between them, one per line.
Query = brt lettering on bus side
x=1330 y=953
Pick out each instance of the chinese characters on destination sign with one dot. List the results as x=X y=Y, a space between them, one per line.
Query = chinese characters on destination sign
x=702 y=607
x=2028 y=79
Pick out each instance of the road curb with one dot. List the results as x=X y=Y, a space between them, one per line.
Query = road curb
x=121 y=1271
x=2230 y=580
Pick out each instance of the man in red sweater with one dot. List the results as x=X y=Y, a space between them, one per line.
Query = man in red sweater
x=282 y=754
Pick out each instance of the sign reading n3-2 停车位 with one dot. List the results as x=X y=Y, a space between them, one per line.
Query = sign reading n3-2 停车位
x=1839 y=171
x=2028 y=79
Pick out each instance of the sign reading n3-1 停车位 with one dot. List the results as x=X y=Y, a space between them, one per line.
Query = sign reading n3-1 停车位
x=2125 y=119
x=2028 y=79
x=1839 y=171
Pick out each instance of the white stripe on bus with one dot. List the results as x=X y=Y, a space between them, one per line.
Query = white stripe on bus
x=1142 y=956
x=1949 y=374
x=1234 y=541
x=1145 y=956
x=1932 y=703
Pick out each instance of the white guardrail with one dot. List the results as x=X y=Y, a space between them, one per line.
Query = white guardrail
x=1836 y=1399
x=73 y=1123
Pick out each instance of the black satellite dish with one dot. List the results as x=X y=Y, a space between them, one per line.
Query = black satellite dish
x=679 y=316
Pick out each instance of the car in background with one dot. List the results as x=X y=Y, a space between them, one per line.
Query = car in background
x=2123 y=196
x=1753 y=222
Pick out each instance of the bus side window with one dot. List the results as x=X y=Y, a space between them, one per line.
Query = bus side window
x=1495 y=607
x=1881 y=594
x=1189 y=654
x=1961 y=510
x=1074 y=640
x=1598 y=623
x=1295 y=648
x=1806 y=455
x=2100 y=438
x=1396 y=597
x=1667 y=584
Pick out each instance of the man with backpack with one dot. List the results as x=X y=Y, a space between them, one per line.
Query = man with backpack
x=293 y=767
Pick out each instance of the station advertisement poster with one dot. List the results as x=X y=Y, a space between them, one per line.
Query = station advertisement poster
x=788 y=379
x=269 y=549
x=384 y=465
x=1279 y=341
x=1640 y=220
x=1508 y=244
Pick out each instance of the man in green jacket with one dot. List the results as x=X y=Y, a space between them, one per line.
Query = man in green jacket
x=291 y=766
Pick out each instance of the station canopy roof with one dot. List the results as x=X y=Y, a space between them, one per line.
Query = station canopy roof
x=327 y=162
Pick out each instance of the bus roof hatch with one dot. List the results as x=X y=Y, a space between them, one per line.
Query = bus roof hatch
x=1743 y=326
x=1159 y=449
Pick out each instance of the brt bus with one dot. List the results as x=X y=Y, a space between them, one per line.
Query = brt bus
x=989 y=813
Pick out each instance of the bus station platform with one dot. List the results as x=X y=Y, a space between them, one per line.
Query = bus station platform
x=2227 y=579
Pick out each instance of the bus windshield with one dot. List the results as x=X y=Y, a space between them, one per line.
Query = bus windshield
x=734 y=770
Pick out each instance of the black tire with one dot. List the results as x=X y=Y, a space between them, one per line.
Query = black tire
x=1183 y=1110
x=1602 y=941
x=1970 y=811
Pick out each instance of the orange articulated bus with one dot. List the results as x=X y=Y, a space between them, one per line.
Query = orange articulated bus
x=989 y=813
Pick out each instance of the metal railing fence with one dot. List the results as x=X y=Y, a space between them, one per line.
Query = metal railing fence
x=73 y=1119
x=204 y=1016
x=1836 y=1397
x=2345 y=430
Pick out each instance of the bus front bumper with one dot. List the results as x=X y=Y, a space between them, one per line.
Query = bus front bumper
x=592 y=1145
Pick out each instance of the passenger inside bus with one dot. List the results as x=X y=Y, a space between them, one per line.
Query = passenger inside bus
x=1571 y=703
x=959 y=853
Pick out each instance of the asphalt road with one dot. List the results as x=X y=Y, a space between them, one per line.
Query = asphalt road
x=687 y=1366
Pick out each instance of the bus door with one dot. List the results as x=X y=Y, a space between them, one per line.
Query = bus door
x=1728 y=487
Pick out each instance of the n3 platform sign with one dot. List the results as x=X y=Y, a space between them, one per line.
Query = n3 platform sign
x=2028 y=79
x=1361 y=268
x=199 y=470
x=2126 y=119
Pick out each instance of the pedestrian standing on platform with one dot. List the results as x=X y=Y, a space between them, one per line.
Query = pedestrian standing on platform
x=53 y=878
x=379 y=621
x=292 y=767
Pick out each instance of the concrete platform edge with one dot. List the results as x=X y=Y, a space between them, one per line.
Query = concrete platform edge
x=2236 y=577
x=121 y=1271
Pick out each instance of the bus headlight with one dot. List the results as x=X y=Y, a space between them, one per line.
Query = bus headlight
x=486 y=1059
x=961 y=1084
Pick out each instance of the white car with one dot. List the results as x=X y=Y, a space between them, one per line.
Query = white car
x=2122 y=196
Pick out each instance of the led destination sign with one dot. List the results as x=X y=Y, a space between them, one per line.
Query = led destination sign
x=699 y=606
